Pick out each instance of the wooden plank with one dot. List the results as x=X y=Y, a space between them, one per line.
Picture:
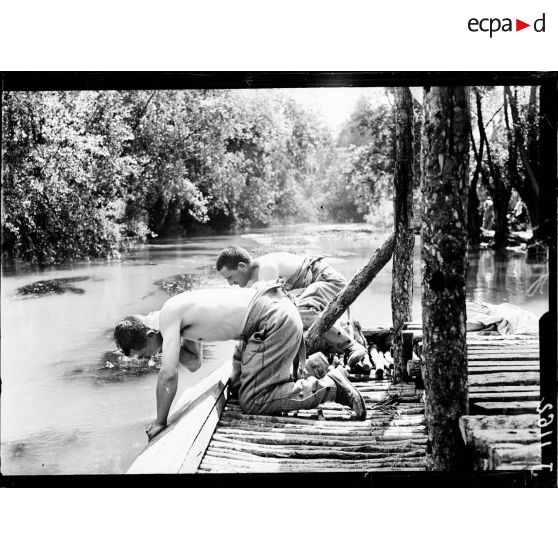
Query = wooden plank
x=197 y=449
x=504 y=378
x=497 y=356
x=504 y=408
x=504 y=364
x=503 y=389
x=499 y=367
x=505 y=396
x=514 y=456
x=469 y=423
x=482 y=440
x=167 y=452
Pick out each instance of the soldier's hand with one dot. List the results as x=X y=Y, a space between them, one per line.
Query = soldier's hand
x=153 y=429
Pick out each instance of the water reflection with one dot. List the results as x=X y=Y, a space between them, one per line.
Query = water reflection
x=504 y=276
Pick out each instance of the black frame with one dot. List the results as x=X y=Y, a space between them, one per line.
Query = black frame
x=49 y=81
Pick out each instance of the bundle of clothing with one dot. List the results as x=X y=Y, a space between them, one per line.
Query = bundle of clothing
x=505 y=318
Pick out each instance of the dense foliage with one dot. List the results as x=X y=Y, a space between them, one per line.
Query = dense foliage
x=505 y=167
x=87 y=173
x=361 y=182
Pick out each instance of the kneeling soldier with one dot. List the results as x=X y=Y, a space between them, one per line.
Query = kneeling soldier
x=270 y=328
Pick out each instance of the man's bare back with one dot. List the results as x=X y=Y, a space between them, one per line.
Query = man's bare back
x=208 y=314
x=275 y=265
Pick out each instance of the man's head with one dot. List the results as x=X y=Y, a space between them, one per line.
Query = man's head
x=234 y=265
x=135 y=337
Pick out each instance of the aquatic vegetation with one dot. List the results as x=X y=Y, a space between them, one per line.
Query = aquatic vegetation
x=182 y=282
x=51 y=286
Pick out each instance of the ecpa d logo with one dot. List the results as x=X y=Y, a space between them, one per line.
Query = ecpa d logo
x=492 y=25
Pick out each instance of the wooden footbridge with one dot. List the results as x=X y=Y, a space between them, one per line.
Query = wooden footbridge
x=210 y=434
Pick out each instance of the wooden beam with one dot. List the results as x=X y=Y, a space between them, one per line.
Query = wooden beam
x=469 y=423
x=482 y=440
x=504 y=378
x=504 y=396
x=504 y=408
x=168 y=452
x=503 y=456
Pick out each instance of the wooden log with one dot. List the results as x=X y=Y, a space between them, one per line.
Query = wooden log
x=309 y=452
x=504 y=408
x=515 y=456
x=409 y=432
x=319 y=456
x=349 y=294
x=220 y=464
x=384 y=362
x=504 y=378
x=318 y=441
x=470 y=423
x=227 y=458
x=375 y=357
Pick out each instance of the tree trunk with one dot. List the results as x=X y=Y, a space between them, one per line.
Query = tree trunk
x=499 y=193
x=348 y=295
x=445 y=147
x=402 y=274
x=474 y=219
x=529 y=189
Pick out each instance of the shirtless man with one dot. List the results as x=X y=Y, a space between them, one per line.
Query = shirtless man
x=269 y=325
x=314 y=282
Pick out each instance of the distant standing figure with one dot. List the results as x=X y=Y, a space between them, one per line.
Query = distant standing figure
x=316 y=283
x=488 y=216
x=269 y=326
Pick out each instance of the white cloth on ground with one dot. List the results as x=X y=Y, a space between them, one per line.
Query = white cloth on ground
x=508 y=318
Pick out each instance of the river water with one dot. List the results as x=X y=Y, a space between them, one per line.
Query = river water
x=65 y=407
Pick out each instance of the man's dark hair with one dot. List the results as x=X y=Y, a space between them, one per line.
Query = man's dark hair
x=130 y=333
x=231 y=256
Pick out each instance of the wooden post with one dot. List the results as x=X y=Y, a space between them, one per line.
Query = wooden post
x=402 y=283
x=349 y=294
x=445 y=179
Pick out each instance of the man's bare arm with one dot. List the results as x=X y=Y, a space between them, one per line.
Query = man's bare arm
x=167 y=381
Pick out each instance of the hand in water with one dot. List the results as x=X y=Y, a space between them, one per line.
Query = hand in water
x=153 y=429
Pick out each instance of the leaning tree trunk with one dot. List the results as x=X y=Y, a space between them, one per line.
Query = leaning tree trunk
x=343 y=299
x=402 y=274
x=445 y=149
